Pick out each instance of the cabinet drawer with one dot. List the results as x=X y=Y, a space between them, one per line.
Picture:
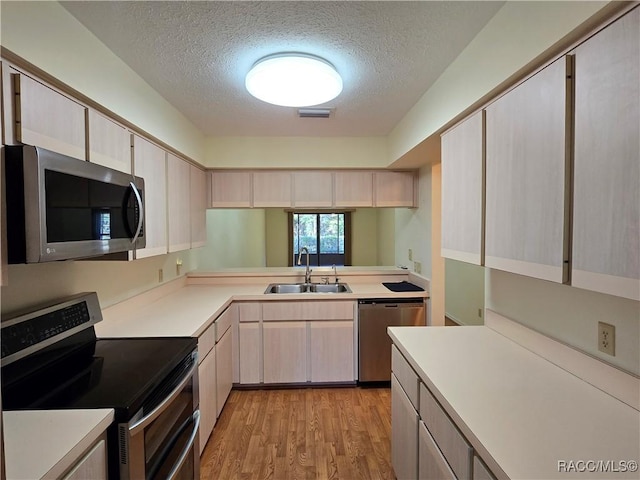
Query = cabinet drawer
x=452 y=444
x=206 y=341
x=405 y=374
x=431 y=463
x=250 y=311
x=324 y=310
x=223 y=322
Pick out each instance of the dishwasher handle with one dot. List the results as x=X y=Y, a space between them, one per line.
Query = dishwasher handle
x=391 y=303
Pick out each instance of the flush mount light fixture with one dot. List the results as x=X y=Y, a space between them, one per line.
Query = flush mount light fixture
x=293 y=80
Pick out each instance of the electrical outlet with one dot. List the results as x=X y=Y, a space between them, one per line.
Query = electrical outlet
x=417 y=267
x=160 y=275
x=607 y=338
x=178 y=266
x=410 y=254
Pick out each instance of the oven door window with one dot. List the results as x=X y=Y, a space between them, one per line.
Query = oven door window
x=170 y=439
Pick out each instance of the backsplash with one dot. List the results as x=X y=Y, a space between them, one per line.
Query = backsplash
x=568 y=314
x=114 y=281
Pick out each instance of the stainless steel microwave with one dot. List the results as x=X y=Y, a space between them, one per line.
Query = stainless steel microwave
x=60 y=208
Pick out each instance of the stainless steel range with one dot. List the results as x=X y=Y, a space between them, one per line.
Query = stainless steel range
x=51 y=359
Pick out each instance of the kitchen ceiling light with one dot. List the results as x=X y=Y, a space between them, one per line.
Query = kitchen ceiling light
x=293 y=80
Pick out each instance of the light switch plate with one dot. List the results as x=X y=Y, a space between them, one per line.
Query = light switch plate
x=607 y=338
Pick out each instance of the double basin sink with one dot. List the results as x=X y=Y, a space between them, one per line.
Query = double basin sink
x=308 y=288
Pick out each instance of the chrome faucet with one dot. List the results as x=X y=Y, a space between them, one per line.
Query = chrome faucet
x=335 y=272
x=307 y=273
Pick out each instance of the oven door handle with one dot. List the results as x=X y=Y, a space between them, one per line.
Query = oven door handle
x=141 y=424
x=183 y=456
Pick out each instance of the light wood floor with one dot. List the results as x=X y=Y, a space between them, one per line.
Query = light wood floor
x=328 y=433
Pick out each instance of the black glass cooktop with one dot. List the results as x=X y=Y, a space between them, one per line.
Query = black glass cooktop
x=124 y=374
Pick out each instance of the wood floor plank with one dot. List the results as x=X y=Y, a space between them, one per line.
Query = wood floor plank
x=312 y=433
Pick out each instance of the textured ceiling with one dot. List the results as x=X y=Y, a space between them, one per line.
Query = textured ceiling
x=196 y=54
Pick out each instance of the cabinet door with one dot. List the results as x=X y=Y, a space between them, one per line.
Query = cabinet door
x=527 y=180
x=93 y=465
x=179 y=200
x=224 y=370
x=404 y=433
x=353 y=189
x=230 y=189
x=271 y=189
x=606 y=211
x=149 y=162
x=285 y=352
x=463 y=191
x=48 y=119
x=480 y=471
x=207 y=397
x=431 y=463
x=198 y=193
x=394 y=189
x=250 y=353
x=312 y=189
x=331 y=348
x=109 y=143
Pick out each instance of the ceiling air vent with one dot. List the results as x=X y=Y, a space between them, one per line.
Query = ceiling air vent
x=314 y=112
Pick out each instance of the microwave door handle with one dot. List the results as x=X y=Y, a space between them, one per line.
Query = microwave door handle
x=141 y=424
x=185 y=452
x=140 y=211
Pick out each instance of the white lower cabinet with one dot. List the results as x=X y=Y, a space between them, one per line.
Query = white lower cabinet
x=93 y=465
x=426 y=443
x=404 y=433
x=283 y=342
x=207 y=395
x=224 y=370
x=431 y=463
x=285 y=352
x=331 y=351
x=249 y=353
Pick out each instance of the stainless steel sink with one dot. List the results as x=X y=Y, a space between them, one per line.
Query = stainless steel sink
x=286 y=288
x=308 y=288
x=330 y=288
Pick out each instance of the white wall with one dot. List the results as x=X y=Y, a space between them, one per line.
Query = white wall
x=235 y=238
x=48 y=36
x=296 y=152
x=464 y=292
x=113 y=280
x=413 y=228
x=568 y=314
x=386 y=235
x=518 y=33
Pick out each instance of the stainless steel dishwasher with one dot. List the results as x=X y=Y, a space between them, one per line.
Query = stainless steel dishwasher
x=374 y=344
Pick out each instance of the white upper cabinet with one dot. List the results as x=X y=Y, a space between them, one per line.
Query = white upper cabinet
x=526 y=177
x=312 y=189
x=606 y=213
x=230 y=189
x=198 y=193
x=179 y=203
x=463 y=191
x=272 y=189
x=109 y=143
x=48 y=119
x=353 y=189
x=149 y=162
x=395 y=189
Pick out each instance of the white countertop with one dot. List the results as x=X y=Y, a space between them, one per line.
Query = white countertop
x=188 y=311
x=524 y=412
x=49 y=442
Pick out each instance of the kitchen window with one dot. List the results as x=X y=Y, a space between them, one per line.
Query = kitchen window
x=327 y=235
